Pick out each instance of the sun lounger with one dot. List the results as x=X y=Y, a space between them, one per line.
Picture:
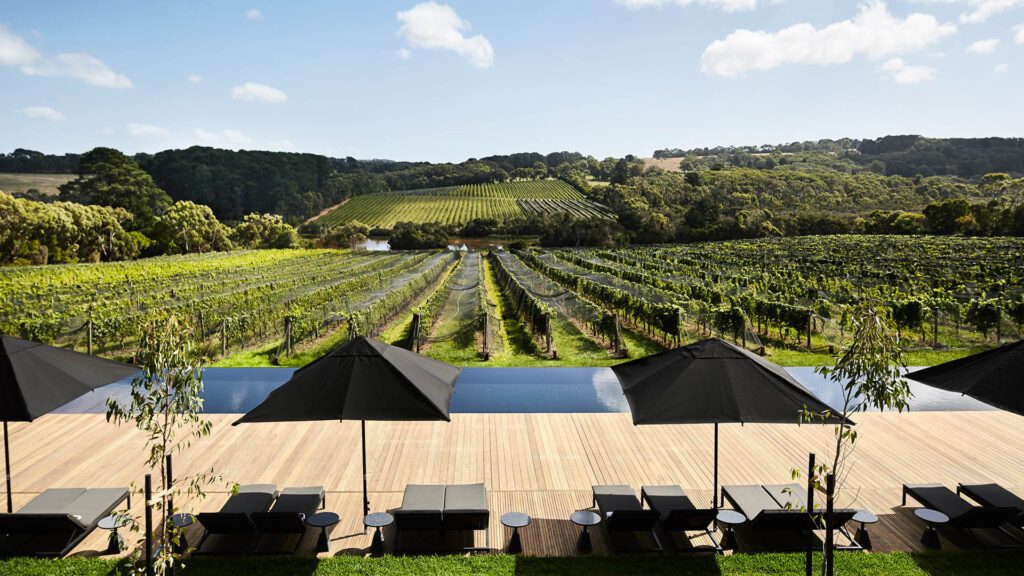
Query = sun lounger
x=678 y=513
x=57 y=520
x=440 y=508
x=289 y=513
x=994 y=496
x=235 y=516
x=962 y=514
x=777 y=510
x=622 y=511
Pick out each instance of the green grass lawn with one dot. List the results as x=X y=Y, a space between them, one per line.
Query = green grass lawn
x=990 y=563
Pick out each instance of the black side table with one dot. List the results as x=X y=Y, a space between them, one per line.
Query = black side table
x=323 y=521
x=112 y=523
x=862 y=537
x=930 y=538
x=515 y=521
x=377 y=520
x=729 y=519
x=585 y=519
x=181 y=521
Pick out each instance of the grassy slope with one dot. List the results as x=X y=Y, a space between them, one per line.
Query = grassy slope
x=993 y=563
x=45 y=183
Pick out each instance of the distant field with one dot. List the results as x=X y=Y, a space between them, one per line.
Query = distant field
x=460 y=204
x=45 y=183
x=670 y=164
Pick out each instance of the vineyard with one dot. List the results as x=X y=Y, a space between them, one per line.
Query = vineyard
x=790 y=298
x=460 y=204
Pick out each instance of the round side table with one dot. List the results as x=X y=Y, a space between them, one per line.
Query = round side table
x=728 y=519
x=113 y=523
x=862 y=537
x=323 y=521
x=585 y=519
x=515 y=521
x=181 y=521
x=377 y=520
x=930 y=538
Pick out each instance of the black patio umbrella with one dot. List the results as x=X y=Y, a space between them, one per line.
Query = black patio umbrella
x=363 y=379
x=36 y=379
x=713 y=382
x=994 y=377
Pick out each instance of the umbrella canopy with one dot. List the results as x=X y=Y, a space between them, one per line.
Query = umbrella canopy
x=36 y=379
x=713 y=382
x=995 y=377
x=363 y=379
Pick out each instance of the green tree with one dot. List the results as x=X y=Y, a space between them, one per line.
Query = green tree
x=870 y=371
x=188 y=228
x=347 y=235
x=165 y=404
x=264 y=231
x=109 y=178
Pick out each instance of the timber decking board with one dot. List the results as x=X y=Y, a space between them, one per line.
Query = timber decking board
x=541 y=464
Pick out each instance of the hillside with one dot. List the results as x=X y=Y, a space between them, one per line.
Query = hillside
x=460 y=204
x=906 y=155
x=19 y=184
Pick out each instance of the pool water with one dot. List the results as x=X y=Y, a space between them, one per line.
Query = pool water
x=497 y=390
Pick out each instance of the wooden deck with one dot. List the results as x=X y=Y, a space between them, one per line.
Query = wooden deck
x=541 y=464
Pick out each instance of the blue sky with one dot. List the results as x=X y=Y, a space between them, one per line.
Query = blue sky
x=448 y=80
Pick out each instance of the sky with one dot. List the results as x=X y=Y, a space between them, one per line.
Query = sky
x=455 y=79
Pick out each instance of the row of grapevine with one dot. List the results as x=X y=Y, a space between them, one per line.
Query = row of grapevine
x=528 y=307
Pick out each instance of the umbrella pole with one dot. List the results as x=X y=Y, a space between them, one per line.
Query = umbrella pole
x=366 y=499
x=715 y=495
x=7 y=466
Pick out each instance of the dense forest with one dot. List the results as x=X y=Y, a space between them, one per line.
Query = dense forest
x=908 y=156
x=827 y=187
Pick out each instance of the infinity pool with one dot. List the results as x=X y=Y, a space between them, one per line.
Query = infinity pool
x=498 y=390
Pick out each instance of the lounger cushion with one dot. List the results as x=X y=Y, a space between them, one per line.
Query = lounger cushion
x=666 y=499
x=792 y=494
x=994 y=495
x=301 y=500
x=52 y=501
x=751 y=500
x=423 y=498
x=939 y=497
x=96 y=503
x=250 y=498
x=676 y=510
x=616 y=498
x=460 y=498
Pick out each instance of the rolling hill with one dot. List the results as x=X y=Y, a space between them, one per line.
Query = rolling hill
x=460 y=204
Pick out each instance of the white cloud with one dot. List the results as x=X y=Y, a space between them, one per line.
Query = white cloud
x=984 y=46
x=253 y=92
x=253 y=14
x=84 y=67
x=874 y=32
x=900 y=72
x=145 y=130
x=194 y=79
x=430 y=25
x=726 y=5
x=228 y=137
x=42 y=113
x=404 y=53
x=981 y=10
x=1019 y=36
x=14 y=51
x=1002 y=68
